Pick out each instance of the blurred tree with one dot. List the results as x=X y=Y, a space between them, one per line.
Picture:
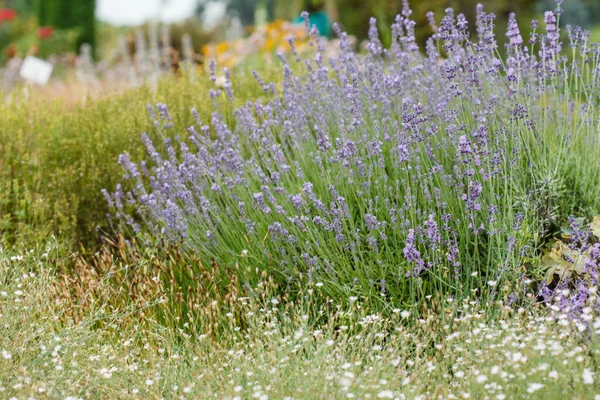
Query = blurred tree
x=22 y=7
x=87 y=22
x=76 y=15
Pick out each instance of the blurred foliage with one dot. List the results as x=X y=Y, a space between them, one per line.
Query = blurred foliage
x=353 y=15
x=199 y=36
x=62 y=41
x=107 y=42
x=260 y=47
x=54 y=161
x=243 y=9
x=14 y=31
x=21 y=36
x=22 y=7
x=76 y=15
x=22 y=39
x=584 y=13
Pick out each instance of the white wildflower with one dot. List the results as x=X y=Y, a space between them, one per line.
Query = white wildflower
x=105 y=372
x=588 y=377
x=534 y=387
x=385 y=394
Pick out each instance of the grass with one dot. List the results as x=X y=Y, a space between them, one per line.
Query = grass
x=449 y=350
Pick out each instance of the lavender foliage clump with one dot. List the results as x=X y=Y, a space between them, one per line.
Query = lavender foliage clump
x=394 y=166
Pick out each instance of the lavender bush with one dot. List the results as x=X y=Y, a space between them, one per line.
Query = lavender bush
x=390 y=174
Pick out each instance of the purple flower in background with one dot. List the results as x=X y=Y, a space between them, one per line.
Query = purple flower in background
x=227 y=84
x=579 y=235
x=129 y=166
x=153 y=115
x=406 y=11
x=213 y=70
x=259 y=201
x=552 y=44
x=463 y=27
x=322 y=139
x=515 y=40
x=374 y=45
x=163 y=112
x=372 y=242
x=371 y=222
x=446 y=30
x=412 y=255
x=305 y=18
x=174 y=219
x=297 y=201
x=464 y=145
x=433 y=233
x=559 y=10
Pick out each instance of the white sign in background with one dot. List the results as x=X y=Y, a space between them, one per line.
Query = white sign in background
x=36 y=70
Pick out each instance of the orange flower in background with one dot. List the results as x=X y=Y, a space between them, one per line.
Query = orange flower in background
x=7 y=14
x=45 y=32
x=11 y=51
x=222 y=47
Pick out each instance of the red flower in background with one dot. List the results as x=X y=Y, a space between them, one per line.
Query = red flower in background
x=7 y=14
x=45 y=32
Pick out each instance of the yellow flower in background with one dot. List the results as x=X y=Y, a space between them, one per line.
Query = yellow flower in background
x=264 y=41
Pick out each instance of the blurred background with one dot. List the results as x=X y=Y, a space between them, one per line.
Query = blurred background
x=135 y=41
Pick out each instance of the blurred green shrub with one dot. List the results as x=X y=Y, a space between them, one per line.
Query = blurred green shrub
x=193 y=27
x=61 y=41
x=55 y=161
x=76 y=15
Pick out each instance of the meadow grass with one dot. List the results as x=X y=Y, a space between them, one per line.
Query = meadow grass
x=271 y=348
